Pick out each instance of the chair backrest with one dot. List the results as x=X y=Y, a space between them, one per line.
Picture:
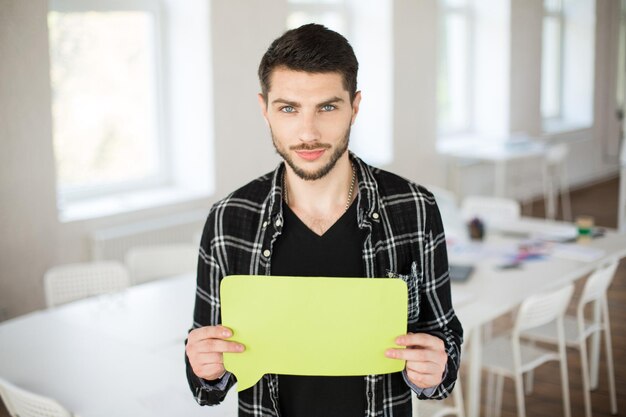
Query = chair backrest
x=147 y=263
x=71 y=282
x=449 y=210
x=540 y=309
x=493 y=211
x=598 y=283
x=21 y=403
x=556 y=154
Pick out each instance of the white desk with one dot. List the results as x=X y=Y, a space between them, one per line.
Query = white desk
x=499 y=154
x=491 y=292
x=116 y=355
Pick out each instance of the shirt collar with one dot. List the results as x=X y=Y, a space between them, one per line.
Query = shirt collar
x=368 y=196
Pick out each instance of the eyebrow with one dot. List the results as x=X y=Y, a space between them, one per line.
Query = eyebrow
x=296 y=104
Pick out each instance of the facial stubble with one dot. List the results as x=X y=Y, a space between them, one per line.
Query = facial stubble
x=341 y=148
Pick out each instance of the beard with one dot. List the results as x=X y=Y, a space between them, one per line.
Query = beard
x=341 y=148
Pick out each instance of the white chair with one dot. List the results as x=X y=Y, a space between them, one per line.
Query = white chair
x=508 y=356
x=147 y=263
x=492 y=211
x=450 y=212
x=555 y=182
x=449 y=407
x=578 y=330
x=71 y=282
x=21 y=403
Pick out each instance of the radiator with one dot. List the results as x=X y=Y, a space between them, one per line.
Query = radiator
x=112 y=243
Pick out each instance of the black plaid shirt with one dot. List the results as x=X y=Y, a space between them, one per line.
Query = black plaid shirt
x=404 y=239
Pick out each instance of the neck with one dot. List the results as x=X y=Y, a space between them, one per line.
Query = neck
x=324 y=197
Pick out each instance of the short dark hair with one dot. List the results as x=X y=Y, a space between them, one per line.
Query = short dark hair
x=310 y=48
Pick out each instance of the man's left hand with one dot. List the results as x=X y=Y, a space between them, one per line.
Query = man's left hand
x=425 y=357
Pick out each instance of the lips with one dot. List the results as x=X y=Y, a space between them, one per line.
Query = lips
x=311 y=155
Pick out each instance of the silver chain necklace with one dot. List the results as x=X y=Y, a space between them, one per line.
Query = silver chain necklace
x=350 y=191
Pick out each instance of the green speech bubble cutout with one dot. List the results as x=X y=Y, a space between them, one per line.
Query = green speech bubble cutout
x=312 y=326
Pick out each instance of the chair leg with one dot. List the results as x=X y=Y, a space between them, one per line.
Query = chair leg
x=519 y=394
x=491 y=395
x=549 y=194
x=609 y=356
x=566 y=205
x=499 y=390
x=563 y=364
x=459 y=402
x=595 y=348
x=584 y=366
x=529 y=376
x=528 y=382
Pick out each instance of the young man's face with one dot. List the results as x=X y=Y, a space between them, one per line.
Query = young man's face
x=309 y=115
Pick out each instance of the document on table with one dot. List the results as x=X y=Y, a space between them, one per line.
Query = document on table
x=577 y=252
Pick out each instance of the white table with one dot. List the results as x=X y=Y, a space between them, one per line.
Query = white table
x=491 y=292
x=116 y=355
x=498 y=153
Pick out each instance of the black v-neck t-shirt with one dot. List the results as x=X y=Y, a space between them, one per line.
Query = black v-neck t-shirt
x=337 y=253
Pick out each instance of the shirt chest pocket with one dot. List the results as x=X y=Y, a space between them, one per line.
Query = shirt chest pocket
x=413 y=282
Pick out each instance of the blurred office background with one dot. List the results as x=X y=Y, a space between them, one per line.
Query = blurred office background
x=122 y=121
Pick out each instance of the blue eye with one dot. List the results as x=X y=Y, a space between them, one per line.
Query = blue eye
x=328 y=107
x=287 y=109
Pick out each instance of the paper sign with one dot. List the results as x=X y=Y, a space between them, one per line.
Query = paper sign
x=312 y=326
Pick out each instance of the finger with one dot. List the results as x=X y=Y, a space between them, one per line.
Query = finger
x=210 y=372
x=210 y=332
x=420 y=339
x=425 y=368
x=417 y=355
x=423 y=380
x=205 y=359
x=217 y=345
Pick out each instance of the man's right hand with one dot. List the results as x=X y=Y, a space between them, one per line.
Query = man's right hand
x=205 y=348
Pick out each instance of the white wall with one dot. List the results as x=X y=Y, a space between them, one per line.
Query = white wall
x=31 y=237
x=415 y=70
x=28 y=227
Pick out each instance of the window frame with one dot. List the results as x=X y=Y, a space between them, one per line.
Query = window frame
x=466 y=11
x=309 y=7
x=559 y=16
x=164 y=175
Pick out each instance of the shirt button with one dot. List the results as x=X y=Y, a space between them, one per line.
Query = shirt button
x=264 y=225
x=266 y=253
x=278 y=223
x=375 y=216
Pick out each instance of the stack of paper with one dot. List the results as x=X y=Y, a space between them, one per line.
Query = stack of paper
x=577 y=252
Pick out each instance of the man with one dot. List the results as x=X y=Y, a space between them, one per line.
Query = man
x=324 y=212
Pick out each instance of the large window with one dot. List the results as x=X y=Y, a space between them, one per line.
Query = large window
x=106 y=95
x=552 y=60
x=454 y=81
x=330 y=13
x=567 y=64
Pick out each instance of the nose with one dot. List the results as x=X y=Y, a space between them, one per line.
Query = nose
x=309 y=129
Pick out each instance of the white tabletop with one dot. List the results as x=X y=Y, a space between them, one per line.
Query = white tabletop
x=491 y=291
x=115 y=355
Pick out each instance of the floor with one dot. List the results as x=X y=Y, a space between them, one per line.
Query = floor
x=600 y=201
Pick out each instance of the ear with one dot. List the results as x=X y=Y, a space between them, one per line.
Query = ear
x=263 y=106
x=355 y=106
